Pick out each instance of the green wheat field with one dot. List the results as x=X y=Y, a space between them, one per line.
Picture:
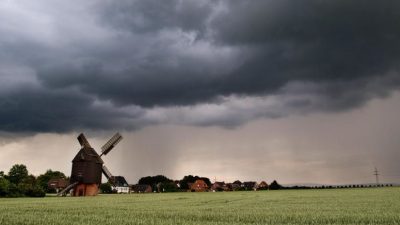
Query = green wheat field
x=333 y=206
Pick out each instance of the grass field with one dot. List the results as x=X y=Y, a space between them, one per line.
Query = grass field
x=335 y=206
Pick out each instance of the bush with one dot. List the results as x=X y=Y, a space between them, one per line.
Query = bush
x=14 y=191
x=35 y=191
x=168 y=187
x=4 y=187
x=106 y=188
x=19 y=184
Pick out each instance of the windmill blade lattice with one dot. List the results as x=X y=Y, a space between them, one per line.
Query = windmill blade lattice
x=108 y=174
x=111 y=144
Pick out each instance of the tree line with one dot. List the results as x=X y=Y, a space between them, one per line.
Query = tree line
x=161 y=183
x=19 y=183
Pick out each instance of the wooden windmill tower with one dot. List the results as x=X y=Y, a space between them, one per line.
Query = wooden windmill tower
x=87 y=168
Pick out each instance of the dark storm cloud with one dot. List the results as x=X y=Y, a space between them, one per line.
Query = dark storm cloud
x=153 y=15
x=318 y=41
x=283 y=41
x=62 y=111
x=127 y=59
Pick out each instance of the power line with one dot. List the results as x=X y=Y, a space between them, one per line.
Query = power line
x=376 y=173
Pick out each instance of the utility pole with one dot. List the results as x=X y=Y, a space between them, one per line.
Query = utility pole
x=376 y=173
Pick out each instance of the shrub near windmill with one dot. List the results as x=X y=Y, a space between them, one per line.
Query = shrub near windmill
x=87 y=168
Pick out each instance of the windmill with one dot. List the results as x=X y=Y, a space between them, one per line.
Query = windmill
x=87 y=168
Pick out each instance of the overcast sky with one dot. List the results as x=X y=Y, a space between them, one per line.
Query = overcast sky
x=298 y=91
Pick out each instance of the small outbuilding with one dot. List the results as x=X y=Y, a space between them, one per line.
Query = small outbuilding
x=57 y=184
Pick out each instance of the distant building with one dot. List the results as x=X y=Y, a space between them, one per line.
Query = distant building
x=199 y=186
x=219 y=186
x=235 y=186
x=141 y=188
x=120 y=184
x=229 y=186
x=57 y=184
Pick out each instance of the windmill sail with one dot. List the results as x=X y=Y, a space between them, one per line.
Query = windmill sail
x=111 y=144
x=83 y=141
x=108 y=174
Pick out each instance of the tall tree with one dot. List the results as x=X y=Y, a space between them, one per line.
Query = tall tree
x=155 y=181
x=167 y=187
x=275 y=185
x=17 y=173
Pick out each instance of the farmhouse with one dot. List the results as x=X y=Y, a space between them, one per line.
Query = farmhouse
x=121 y=186
x=199 y=186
